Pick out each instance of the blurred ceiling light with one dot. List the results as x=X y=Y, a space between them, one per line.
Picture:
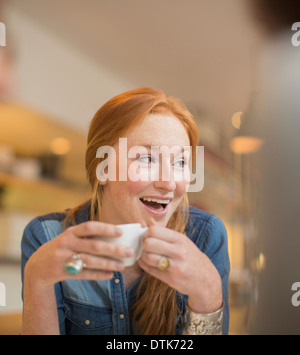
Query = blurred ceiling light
x=60 y=146
x=236 y=120
x=245 y=144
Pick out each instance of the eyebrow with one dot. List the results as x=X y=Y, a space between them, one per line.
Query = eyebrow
x=149 y=146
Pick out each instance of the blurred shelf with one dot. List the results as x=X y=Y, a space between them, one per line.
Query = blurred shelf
x=10 y=179
x=40 y=195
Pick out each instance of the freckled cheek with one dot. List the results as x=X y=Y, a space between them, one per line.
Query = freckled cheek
x=131 y=188
x=181 y=188
x=182 y=180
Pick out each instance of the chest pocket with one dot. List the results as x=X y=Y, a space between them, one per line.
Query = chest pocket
x=87 y=320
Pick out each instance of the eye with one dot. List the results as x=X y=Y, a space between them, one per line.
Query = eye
x=181 y=163
x=146 y=159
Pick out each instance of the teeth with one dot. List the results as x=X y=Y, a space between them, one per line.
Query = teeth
x=151 y=199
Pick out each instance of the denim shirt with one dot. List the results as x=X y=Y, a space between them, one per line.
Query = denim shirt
x=102 y=307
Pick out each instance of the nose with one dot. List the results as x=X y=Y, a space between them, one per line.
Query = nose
x=165 y=185
x=166 y=180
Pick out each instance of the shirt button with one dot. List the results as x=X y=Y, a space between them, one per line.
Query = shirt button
x=117 y=281
x=121 y=316
x=87 y=322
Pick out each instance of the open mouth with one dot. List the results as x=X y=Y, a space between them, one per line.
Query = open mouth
x=155 y=204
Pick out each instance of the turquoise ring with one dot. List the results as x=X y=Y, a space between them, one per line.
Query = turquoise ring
x=74 y=265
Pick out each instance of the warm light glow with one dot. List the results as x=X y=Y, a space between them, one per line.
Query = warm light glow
x=236 y=120
x=60 y=146
x=259 y=263
x=245 y=144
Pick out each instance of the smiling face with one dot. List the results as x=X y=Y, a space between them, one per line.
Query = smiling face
x=135 y=200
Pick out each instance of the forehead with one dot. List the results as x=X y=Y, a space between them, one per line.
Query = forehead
x=158 y=130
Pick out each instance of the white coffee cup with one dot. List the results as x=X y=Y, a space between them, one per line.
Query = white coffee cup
x=131 y=237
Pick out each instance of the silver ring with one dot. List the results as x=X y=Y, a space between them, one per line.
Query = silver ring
x=164 y=263
x=74 y=265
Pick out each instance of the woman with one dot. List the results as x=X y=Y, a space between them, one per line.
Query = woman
x=150 y=297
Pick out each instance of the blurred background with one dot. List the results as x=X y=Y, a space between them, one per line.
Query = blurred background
x=63 y=59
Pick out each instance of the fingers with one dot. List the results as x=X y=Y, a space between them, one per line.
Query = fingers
x=100 y=257
x=100 y=263
x=156 y=272
x=158 y=242
x=93 y=228
x=152 y=259
x=158 y=246
x=83 y=239
x=101 y=248
x=162 y=233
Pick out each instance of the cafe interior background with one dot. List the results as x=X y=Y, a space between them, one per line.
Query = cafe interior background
x=64 y=58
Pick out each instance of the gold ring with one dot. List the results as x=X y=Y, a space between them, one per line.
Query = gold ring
x=164 y=263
